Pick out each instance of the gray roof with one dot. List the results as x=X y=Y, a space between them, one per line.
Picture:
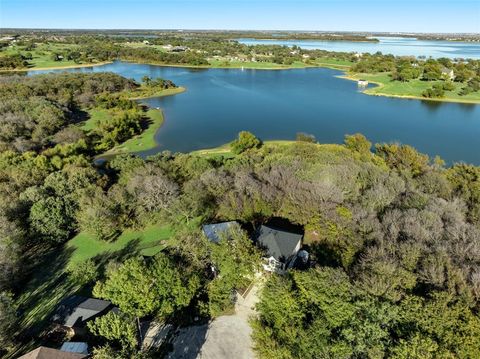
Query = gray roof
x=278 y=243
x=49 y=353
x=76 y=311
x=215 y=232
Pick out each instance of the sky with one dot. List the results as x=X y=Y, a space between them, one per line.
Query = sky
x=324 y=15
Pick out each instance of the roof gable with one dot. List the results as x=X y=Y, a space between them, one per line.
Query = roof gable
x=76 y=310
x=278 y=243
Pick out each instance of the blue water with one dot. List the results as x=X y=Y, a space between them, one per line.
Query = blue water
x=277 y=104
x=397 y=46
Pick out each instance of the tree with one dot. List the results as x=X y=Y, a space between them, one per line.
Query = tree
x=432 y=70
x=358 y=143
x=50 y=218
x=140 y=289
x=235 y=259
x=99 y=215
x=245 y=141
x=117 y=328
x=305 y=137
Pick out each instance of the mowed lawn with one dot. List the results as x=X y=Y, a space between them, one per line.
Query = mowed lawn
x=42 y=55
x=412 y=88
x=148 y=242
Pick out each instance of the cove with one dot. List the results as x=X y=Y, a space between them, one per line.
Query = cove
x=277 y=104
x=398 y=46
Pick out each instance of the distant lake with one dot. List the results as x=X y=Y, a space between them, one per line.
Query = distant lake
x=277 y=104
x=398 y=46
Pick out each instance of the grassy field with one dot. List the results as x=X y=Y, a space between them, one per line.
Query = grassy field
x=410 y=89
x=42 y=56
x=148 y=241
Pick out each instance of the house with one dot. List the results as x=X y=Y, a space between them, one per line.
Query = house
x=75 y=347
x=74 y=312
x=146 y=42
x=179 y=49
x=49 y=353
x=215 y=232
x=281 y=247
x=448 y=74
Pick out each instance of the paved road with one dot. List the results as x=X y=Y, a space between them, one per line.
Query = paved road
x=224 y=337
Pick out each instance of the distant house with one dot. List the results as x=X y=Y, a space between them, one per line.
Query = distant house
x=49 y=353
x=76 y=311
x=146 y=42
x=179 y=49
x=448 y=74
x=215 y=232
x=75 y=347
x=281 y=247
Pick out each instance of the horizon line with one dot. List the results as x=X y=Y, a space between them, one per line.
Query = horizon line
x=235 y=30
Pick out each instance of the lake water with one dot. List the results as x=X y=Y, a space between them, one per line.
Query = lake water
x=397 y=46
x=277 y=104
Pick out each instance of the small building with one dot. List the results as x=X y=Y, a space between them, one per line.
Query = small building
x=146 y=42
x=215 y=232
x=362 y=83
x=448 y=74
x=75 y=347
x=74 y=312
x=49 y=353
x=281 y=247
x=179 y=49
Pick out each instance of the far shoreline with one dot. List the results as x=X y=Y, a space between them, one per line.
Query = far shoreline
x=341 y=68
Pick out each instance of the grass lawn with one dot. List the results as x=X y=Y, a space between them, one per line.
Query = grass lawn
x=410 y=89
x=42 y=56
x=97 y=115
x=148 y=241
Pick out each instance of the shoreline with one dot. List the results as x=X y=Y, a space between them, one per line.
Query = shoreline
x=59 y=67
x=343 y=68
x=379 y=85
x=148 y=135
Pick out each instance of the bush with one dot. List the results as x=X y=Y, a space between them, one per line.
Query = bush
x=83 y=273
x=246 y=141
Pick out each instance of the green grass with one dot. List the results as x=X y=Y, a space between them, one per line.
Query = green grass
x=148 y=241
x=411 y=89
x=96 y=115
x=42 y=55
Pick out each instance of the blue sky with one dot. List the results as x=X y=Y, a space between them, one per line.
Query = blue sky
x=335 y=15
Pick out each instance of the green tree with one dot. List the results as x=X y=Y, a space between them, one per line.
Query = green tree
x=245 y=141
x=358 y=143
x=117 y=328
x=140 y=289
x=50 y=218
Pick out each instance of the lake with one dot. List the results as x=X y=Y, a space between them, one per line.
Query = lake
x=277 y=104
x=398 y=46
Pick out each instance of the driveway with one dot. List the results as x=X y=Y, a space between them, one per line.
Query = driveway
x=227 y=336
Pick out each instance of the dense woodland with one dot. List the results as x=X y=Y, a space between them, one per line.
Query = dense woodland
x=395 y=235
